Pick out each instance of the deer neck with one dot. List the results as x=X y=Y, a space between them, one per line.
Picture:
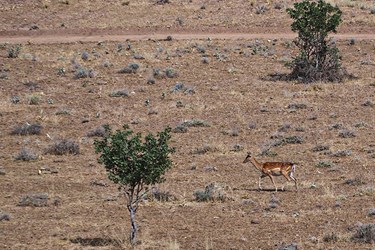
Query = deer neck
x=256 y=163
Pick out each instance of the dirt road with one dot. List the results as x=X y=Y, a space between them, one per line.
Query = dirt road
x=50 y=37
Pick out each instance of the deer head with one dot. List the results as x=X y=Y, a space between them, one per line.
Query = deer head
x=248 y=157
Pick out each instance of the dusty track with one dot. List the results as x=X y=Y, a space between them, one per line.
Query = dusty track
x=51 y=38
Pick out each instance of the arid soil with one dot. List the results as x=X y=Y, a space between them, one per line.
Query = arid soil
x=222 y=55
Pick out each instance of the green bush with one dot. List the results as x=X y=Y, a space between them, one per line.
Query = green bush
x=318 y=60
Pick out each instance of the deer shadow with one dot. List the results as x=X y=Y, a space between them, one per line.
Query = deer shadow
x=96 y=242
x=261 y=190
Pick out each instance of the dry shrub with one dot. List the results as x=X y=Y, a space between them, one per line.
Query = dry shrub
x=365 y=233
x=212 y=192
x=63 y=147
x=26 y=155
x=27 y=129
x=98 y=132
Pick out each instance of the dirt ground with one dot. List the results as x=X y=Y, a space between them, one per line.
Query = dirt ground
x=222 y=53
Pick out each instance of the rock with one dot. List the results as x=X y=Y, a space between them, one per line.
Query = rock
x=4 y=216
x=292 y=246
x=255 y=222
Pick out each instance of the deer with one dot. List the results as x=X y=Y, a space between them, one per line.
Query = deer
x=271 y=169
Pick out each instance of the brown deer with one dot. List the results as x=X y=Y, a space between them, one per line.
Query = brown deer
x=271 y=169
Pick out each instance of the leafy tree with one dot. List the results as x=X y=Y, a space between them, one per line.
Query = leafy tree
x=318 y=58
x=134 y=163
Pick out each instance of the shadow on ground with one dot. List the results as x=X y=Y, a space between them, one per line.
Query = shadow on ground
x=95 y=242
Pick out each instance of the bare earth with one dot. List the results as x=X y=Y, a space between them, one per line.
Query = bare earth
x=223 y=53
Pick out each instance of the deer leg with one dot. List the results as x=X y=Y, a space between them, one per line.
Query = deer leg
x=295 y=181
x=292 y=178
x=273 y=182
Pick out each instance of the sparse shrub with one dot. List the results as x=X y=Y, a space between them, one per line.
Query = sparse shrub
x=212 y=192
x=151 y=81
x=336 y=126
x=260 y=9
x=342 y=153
x=15 y=99
x=232 y=132
x=323 y=164
x=285 y=127
x=63 y=111
x=63 y=147
x=297 y=106
x=237 y=147
x=195 y=123
x=368 y=191
x=61 y=71
x=320 y=148
x=97 y=132
x=371 y=212
x=170 y=73
x=158 y=73
x=34 y=99
x=331 y=237
x=347 y=134
x=31 y=85
x=26 y=155
x=203 y=150
x=293 y=139
x=106 y=64
x=355 y=182
x=85 y=56
x=163 y=196
x=131 y=68
x=372 y=11
x=120 y=93
x=81 y=72
x=278 y=5
x=14 y=51
x=34 y=200
x=365 y=233
x=200 y=49
x=268 y=152
x=351 y=41
x=180 y=129
x=318 y=59
x=27 y=129
x=180 y=87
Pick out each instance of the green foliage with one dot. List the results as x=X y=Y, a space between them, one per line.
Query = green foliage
x=318 y=59
x=14 y=51
x=131 y=162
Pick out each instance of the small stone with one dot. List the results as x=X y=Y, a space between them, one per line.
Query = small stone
x=255 y=222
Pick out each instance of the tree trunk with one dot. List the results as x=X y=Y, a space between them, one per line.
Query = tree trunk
x=133 y=233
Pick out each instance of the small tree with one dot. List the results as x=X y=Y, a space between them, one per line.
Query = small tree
x=134 y=164
x=318 y=59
